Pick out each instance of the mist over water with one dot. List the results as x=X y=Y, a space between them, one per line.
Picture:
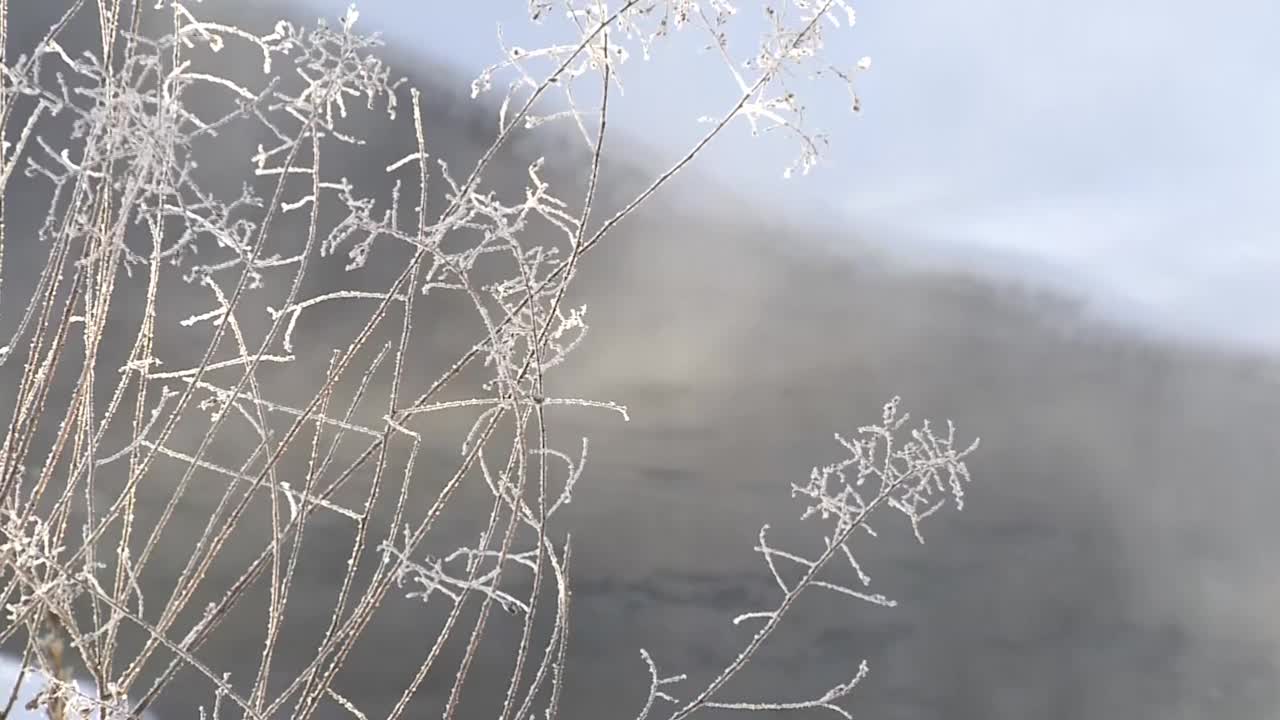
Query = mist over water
x=1115 y=558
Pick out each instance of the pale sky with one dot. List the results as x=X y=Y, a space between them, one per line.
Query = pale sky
x=1125 y=149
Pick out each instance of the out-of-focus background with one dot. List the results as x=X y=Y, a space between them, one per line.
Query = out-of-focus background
x=1123 y=151
x=1051 y=224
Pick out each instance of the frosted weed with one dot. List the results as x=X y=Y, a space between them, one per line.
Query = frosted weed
x=129 y=206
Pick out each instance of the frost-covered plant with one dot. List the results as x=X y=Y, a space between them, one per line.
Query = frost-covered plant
x=128 y=203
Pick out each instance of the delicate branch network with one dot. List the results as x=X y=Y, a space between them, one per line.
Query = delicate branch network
x=118 y=138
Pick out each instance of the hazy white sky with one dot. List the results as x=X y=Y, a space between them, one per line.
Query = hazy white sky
x=1129 y=149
